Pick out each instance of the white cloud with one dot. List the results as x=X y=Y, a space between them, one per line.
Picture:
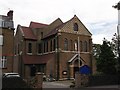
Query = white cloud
x=97 y=15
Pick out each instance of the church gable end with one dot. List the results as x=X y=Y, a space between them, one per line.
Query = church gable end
x=74 y=25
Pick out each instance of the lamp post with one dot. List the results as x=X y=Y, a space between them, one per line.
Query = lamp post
x=117 y=6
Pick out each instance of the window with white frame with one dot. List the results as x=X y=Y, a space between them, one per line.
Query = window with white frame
x=1 y=39
x=3 y=62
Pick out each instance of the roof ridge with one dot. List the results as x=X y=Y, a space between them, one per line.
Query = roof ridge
x=24 y=26
x=38 y=23
x=55 y=21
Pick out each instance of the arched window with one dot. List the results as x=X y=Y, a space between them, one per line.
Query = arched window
x=81 y=47
x=71 y=45
x=76 y=45
x=51 y=45
x=66 y=44
x=85 y=46
x=54 y=45
x=75 y=27
x=46 y=46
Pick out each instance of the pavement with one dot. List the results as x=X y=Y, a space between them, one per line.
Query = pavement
x=57 y=84
x=66 y=84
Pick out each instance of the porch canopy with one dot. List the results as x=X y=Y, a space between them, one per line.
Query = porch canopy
x=75 y=57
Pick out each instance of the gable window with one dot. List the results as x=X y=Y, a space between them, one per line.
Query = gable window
x=3 y=62
x=75 y=27
x=29 y=47
x=66 y=44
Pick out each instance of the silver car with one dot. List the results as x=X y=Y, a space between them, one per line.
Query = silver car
x=11 y=75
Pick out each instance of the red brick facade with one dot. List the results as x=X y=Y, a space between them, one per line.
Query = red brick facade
x=53 y=49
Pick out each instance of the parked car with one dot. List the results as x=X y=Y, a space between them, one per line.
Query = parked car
x=11 y=75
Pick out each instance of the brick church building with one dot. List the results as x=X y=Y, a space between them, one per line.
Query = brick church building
x=57 y=49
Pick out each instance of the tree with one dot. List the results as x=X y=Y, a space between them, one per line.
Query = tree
x=114 y=44
x=115 y=47
x=106 y=61
x=96 y=50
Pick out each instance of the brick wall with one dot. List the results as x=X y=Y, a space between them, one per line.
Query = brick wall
x=8 y=49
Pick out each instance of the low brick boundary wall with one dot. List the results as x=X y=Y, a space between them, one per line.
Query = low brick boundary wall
x=104 y=80
x=82 y=80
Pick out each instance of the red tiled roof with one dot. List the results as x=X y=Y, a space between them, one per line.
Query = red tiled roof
x=28 y=34
x=36 y=59
x=37 y=25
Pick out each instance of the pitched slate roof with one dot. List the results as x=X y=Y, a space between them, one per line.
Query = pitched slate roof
x=37 y=59
x=37 y=25
x=28 y=33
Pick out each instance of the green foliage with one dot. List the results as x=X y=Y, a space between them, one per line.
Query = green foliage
x=106 y=61
x=96 y=50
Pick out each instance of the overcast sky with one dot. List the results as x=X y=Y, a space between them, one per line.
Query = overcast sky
x=97 y=15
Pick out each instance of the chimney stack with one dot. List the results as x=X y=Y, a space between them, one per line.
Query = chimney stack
x=10 y=14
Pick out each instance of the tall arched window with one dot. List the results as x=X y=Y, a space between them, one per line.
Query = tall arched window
x=54 y=45
x=71 y=45
x=66 y=44
x=81 y=47
x=47 y=46
x=75 y=27
x=51 y=45
x=85 y=46
x=44 y=46
x=76 y=45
